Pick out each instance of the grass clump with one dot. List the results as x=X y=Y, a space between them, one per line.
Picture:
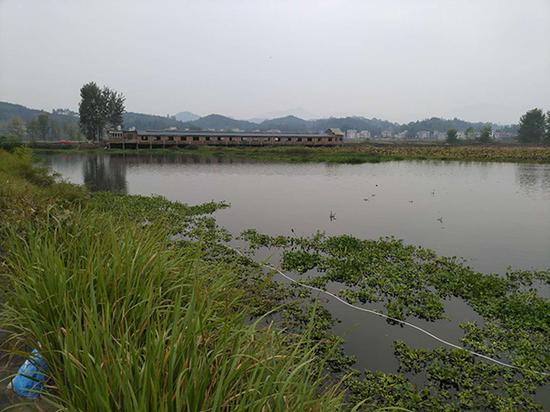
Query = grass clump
x=28 y=191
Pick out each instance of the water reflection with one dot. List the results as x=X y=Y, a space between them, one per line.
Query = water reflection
x=105 y=173
x=533 y=178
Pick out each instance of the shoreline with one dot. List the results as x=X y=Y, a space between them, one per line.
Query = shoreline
x=350 y=153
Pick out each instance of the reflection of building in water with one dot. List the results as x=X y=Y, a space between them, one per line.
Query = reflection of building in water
x=533 y=177
x=105 y=173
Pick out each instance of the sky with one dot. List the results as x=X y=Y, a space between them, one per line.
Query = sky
x=400 y=60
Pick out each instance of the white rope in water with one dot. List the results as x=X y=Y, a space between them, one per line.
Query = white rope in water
x=402 y=322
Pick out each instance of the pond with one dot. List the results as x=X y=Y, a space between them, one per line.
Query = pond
x=494 y=215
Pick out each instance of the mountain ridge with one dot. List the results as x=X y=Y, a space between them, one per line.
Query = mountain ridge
x=289 y=123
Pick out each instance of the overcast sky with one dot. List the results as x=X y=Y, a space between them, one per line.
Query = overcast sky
x=398 y=60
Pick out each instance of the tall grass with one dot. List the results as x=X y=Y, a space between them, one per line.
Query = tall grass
x=28 y=192
x=128 y=321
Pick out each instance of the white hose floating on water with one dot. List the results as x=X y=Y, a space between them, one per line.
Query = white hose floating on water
x=402 y=322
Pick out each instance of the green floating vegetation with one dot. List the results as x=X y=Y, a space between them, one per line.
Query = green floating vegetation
x=412 y=281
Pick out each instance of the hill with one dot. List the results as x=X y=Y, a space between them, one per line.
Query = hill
x=285 y=124
x=438 y=124
x=219 y=122
x=9 y=110
x=142 y=121
x=186 y=116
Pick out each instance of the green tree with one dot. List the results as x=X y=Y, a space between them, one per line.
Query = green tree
x=452 y=136
x=547 y=136
x=470 y=133
x=33 y=131
x=55 y=129
x=115 y=108
x=16 y=128
x=43 y=124
x=485 y=135
x=532 y=127
x=99 y=109
x=91 y=112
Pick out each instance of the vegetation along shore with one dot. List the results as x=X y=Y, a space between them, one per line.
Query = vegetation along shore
x=348 y=153
x=136 y=303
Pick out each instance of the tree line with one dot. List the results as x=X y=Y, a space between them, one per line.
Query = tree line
x=42 y=127
x=485 y=135
x=534 y=128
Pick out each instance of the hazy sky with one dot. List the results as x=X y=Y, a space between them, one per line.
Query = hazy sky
x=397 y=60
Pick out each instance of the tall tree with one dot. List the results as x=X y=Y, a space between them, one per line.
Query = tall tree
x=90 y=110
x=55 y=129
x=115 y=108
x=532 y=126
x=99 y=109
x=71 y=131
x=16 y=128
x=485 y=135
x=470 y=133
x=452 y=136
x=43 y=125
x=33 y=131
x=547 y=136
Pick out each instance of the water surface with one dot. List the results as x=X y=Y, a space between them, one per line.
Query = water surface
x=494 y=215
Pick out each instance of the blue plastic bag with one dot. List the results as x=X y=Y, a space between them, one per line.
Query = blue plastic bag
x=29 y=381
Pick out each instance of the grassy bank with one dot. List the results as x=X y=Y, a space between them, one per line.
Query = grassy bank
x=129 y=319
x=364 y=153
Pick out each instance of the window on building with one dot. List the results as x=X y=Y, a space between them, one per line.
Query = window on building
x=171 y=138
x=207 y=138
x=309 y=139
x=299 y=139
x=143 y=137
x=195 y=138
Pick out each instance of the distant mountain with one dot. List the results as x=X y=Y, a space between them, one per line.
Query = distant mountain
x=285 y=124
x=186 y=116
x=291 y=123
x=438 y=124
x=143 y=121
x=9 y=110
x=219 y=122
x=374 y=126
x=257 y=120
